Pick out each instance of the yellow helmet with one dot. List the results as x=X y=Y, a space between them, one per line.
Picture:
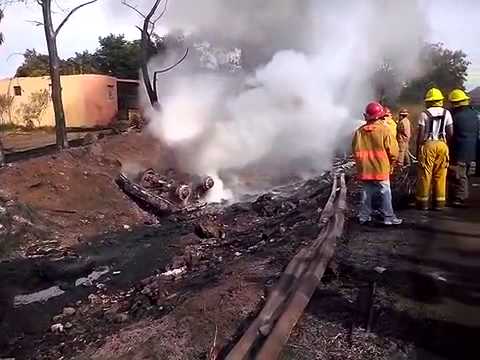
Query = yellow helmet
x=434 y=94
x=458 y=95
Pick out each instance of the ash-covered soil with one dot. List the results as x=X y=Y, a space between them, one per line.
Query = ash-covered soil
x=129 y=286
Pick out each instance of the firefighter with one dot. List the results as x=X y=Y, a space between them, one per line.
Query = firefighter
x=435 y=129
x=403 y=138
x=463 y=146
x=375 y=150
x=390 y=122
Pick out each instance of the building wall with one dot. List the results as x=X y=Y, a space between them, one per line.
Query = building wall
x=88 y=100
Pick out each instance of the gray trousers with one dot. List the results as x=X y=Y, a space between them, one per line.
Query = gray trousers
x=459 y=182
x=380 y=190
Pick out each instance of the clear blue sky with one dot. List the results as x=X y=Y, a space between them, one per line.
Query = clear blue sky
x=453 y=23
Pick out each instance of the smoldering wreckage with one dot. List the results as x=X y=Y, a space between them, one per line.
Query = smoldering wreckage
x=164 y=273
x=73 y=302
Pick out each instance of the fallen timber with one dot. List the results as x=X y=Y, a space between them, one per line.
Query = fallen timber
x=165 y=195
x=287 y=302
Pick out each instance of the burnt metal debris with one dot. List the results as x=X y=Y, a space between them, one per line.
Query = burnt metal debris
x=168 y=193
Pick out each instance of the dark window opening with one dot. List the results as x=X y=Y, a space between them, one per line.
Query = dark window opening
x=17 y=90
x=111 y=95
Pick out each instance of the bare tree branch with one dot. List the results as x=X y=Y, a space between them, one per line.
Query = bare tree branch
x=71 y=13
x=124 y=2
x=35 y=22
x=161 y=14
x=13 y=54
x=174 y=65
x=168 y=69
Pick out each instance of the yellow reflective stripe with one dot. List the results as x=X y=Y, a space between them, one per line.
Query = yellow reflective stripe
x=419 y=198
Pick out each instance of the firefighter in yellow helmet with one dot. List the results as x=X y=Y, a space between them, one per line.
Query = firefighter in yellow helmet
x=463 y=147
x=435 y=129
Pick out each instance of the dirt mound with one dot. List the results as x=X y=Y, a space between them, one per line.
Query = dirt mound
x=75 y=189
x=19 y=225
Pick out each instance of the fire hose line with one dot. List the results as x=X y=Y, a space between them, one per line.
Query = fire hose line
x=297 y=284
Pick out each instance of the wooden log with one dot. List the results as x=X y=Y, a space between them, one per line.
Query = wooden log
x=157 y=203
x=273 y=345
x=263 y=323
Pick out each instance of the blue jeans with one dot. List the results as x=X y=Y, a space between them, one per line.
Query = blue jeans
x=380 y=190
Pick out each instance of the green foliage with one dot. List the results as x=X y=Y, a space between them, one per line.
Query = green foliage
x=34 y=64
x=31 y=112
x=443 y=68
x=118 y=57
x=115 y=56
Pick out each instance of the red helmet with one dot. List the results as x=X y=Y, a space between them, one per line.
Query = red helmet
x=374 y=111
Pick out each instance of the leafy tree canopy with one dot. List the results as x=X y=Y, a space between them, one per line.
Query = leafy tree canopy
x=439 y=67
x=115 y=56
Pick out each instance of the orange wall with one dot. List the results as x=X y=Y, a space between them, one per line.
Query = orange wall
x=88 y=100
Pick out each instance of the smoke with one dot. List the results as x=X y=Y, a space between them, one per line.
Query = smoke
x=307 y=79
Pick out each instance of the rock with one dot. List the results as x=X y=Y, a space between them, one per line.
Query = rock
x=68 y=325
x=111 y=313
x=89 y=139
x=57 y=328
x=126 y=227
x=5 y=196
x=121 y=318
x=238 y=254
x=57 y=318
x=209 y=229
x=190 y=239
x=69 y=311
x=93 y=298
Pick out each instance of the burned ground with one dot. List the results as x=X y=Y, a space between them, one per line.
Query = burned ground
x=185 y=286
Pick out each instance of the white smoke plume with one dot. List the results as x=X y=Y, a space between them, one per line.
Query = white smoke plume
x=305 y=85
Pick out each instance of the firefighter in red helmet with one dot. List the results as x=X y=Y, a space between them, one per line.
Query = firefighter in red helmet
x=375 y=150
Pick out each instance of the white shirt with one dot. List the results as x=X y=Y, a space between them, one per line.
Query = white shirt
x=435 y=111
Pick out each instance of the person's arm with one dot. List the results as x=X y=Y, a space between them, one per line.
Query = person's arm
x=449 y=133
x=407 y=129
x=420 y=137
x=449 y=128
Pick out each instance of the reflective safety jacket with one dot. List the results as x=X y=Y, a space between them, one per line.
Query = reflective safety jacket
x=375 y=149
x=404 y=131
x=392 y=125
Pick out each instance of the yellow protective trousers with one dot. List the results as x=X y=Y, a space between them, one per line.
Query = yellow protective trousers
x=432 y=173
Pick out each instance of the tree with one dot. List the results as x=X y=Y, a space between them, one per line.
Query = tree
x=387 y=84
x=150 y=20
x=6 y=102
x=443 y=68
x=115 y=56
x=51 y=34
x=118 y=57
x=32 y=111
x=34 y=64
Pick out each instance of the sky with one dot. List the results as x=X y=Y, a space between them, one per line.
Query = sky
x=452 y=23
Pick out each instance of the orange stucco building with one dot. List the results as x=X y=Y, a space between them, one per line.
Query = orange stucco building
x=88 y=100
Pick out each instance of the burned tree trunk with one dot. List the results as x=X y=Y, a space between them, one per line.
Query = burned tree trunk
x=149 y=22
x=54 y=63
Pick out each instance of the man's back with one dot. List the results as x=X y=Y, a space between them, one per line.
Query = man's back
x=374 y=148
x=465 y=134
